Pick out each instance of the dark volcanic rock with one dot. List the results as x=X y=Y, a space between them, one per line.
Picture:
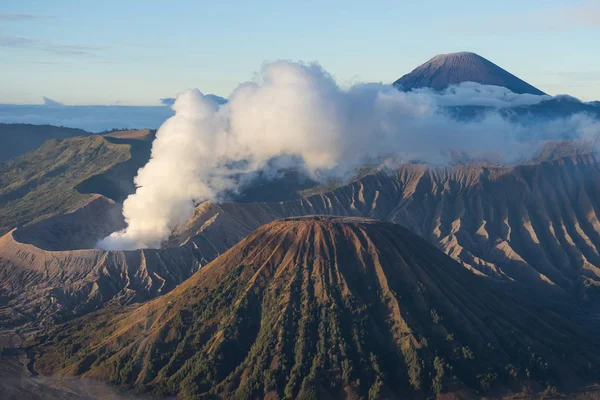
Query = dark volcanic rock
x=444 y=70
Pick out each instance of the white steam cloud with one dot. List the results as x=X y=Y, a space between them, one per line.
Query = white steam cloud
x=297 y=116
x=475 y=94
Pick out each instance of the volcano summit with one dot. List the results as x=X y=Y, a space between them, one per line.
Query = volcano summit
x=445 y=70
x=324 y=307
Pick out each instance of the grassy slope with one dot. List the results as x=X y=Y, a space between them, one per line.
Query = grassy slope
x=41 y=183
x=16 y=139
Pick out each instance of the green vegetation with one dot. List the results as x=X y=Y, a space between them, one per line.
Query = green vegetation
x=17 y=139
x=288 y=313
x=467 y=353
x=375 y=390
x=438 y=366
x=487 y=380
x=41 y=183
x=435 y=317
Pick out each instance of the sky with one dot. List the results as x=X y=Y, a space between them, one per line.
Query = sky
x=134 y=52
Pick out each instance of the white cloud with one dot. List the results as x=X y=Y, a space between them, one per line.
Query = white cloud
x=298 y=115
x=18 y=42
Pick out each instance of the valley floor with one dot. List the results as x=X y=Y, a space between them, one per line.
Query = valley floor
x=17 y=383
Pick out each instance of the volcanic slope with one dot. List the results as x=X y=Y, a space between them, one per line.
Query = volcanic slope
x=40 y=286
x=445 y=70
x=324 y=307
x=16 y=139
x=536 y=224
x=49 y=270
x=66 y=196
x=61 y=174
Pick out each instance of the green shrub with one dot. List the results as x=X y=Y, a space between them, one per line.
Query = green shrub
x=438 y=366
x=375 y=390
x=467 y=353
x=486 y=380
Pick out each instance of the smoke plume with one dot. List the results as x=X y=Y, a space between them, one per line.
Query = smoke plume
x=295 y=115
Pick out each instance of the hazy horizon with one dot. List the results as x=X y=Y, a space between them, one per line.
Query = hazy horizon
x=115 y=53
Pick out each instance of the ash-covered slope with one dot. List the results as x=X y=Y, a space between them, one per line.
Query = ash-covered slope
x=325 y=307
x=445 y=70
x=535 y=224
x=50 y=272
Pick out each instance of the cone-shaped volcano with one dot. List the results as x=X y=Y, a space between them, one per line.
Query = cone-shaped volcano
x=444 y=70
x=326 y=307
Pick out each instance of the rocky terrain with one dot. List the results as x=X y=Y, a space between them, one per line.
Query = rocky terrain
x=533 y=224
x=445 y=70
x=284 y=309
x=41 y=285
x=326 y=307
x=49 y=271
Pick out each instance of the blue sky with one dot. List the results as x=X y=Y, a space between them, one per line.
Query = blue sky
x=135 y=52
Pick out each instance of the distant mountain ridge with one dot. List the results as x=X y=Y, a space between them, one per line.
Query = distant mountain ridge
x=16 y=139
x=445 y=70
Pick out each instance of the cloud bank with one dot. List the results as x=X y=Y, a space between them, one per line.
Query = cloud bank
x=297 y=116
x=59 y=49
x=89 y=118
x=475 y=94
x=20 y=17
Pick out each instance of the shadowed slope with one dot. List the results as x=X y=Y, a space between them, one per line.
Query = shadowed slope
x=61 y=173
x=445 y=70
x=321 y=306
x=117 y=182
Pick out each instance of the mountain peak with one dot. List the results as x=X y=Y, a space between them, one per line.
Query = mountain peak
x=457 y=54
x=445 y=70
x=321 y=307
